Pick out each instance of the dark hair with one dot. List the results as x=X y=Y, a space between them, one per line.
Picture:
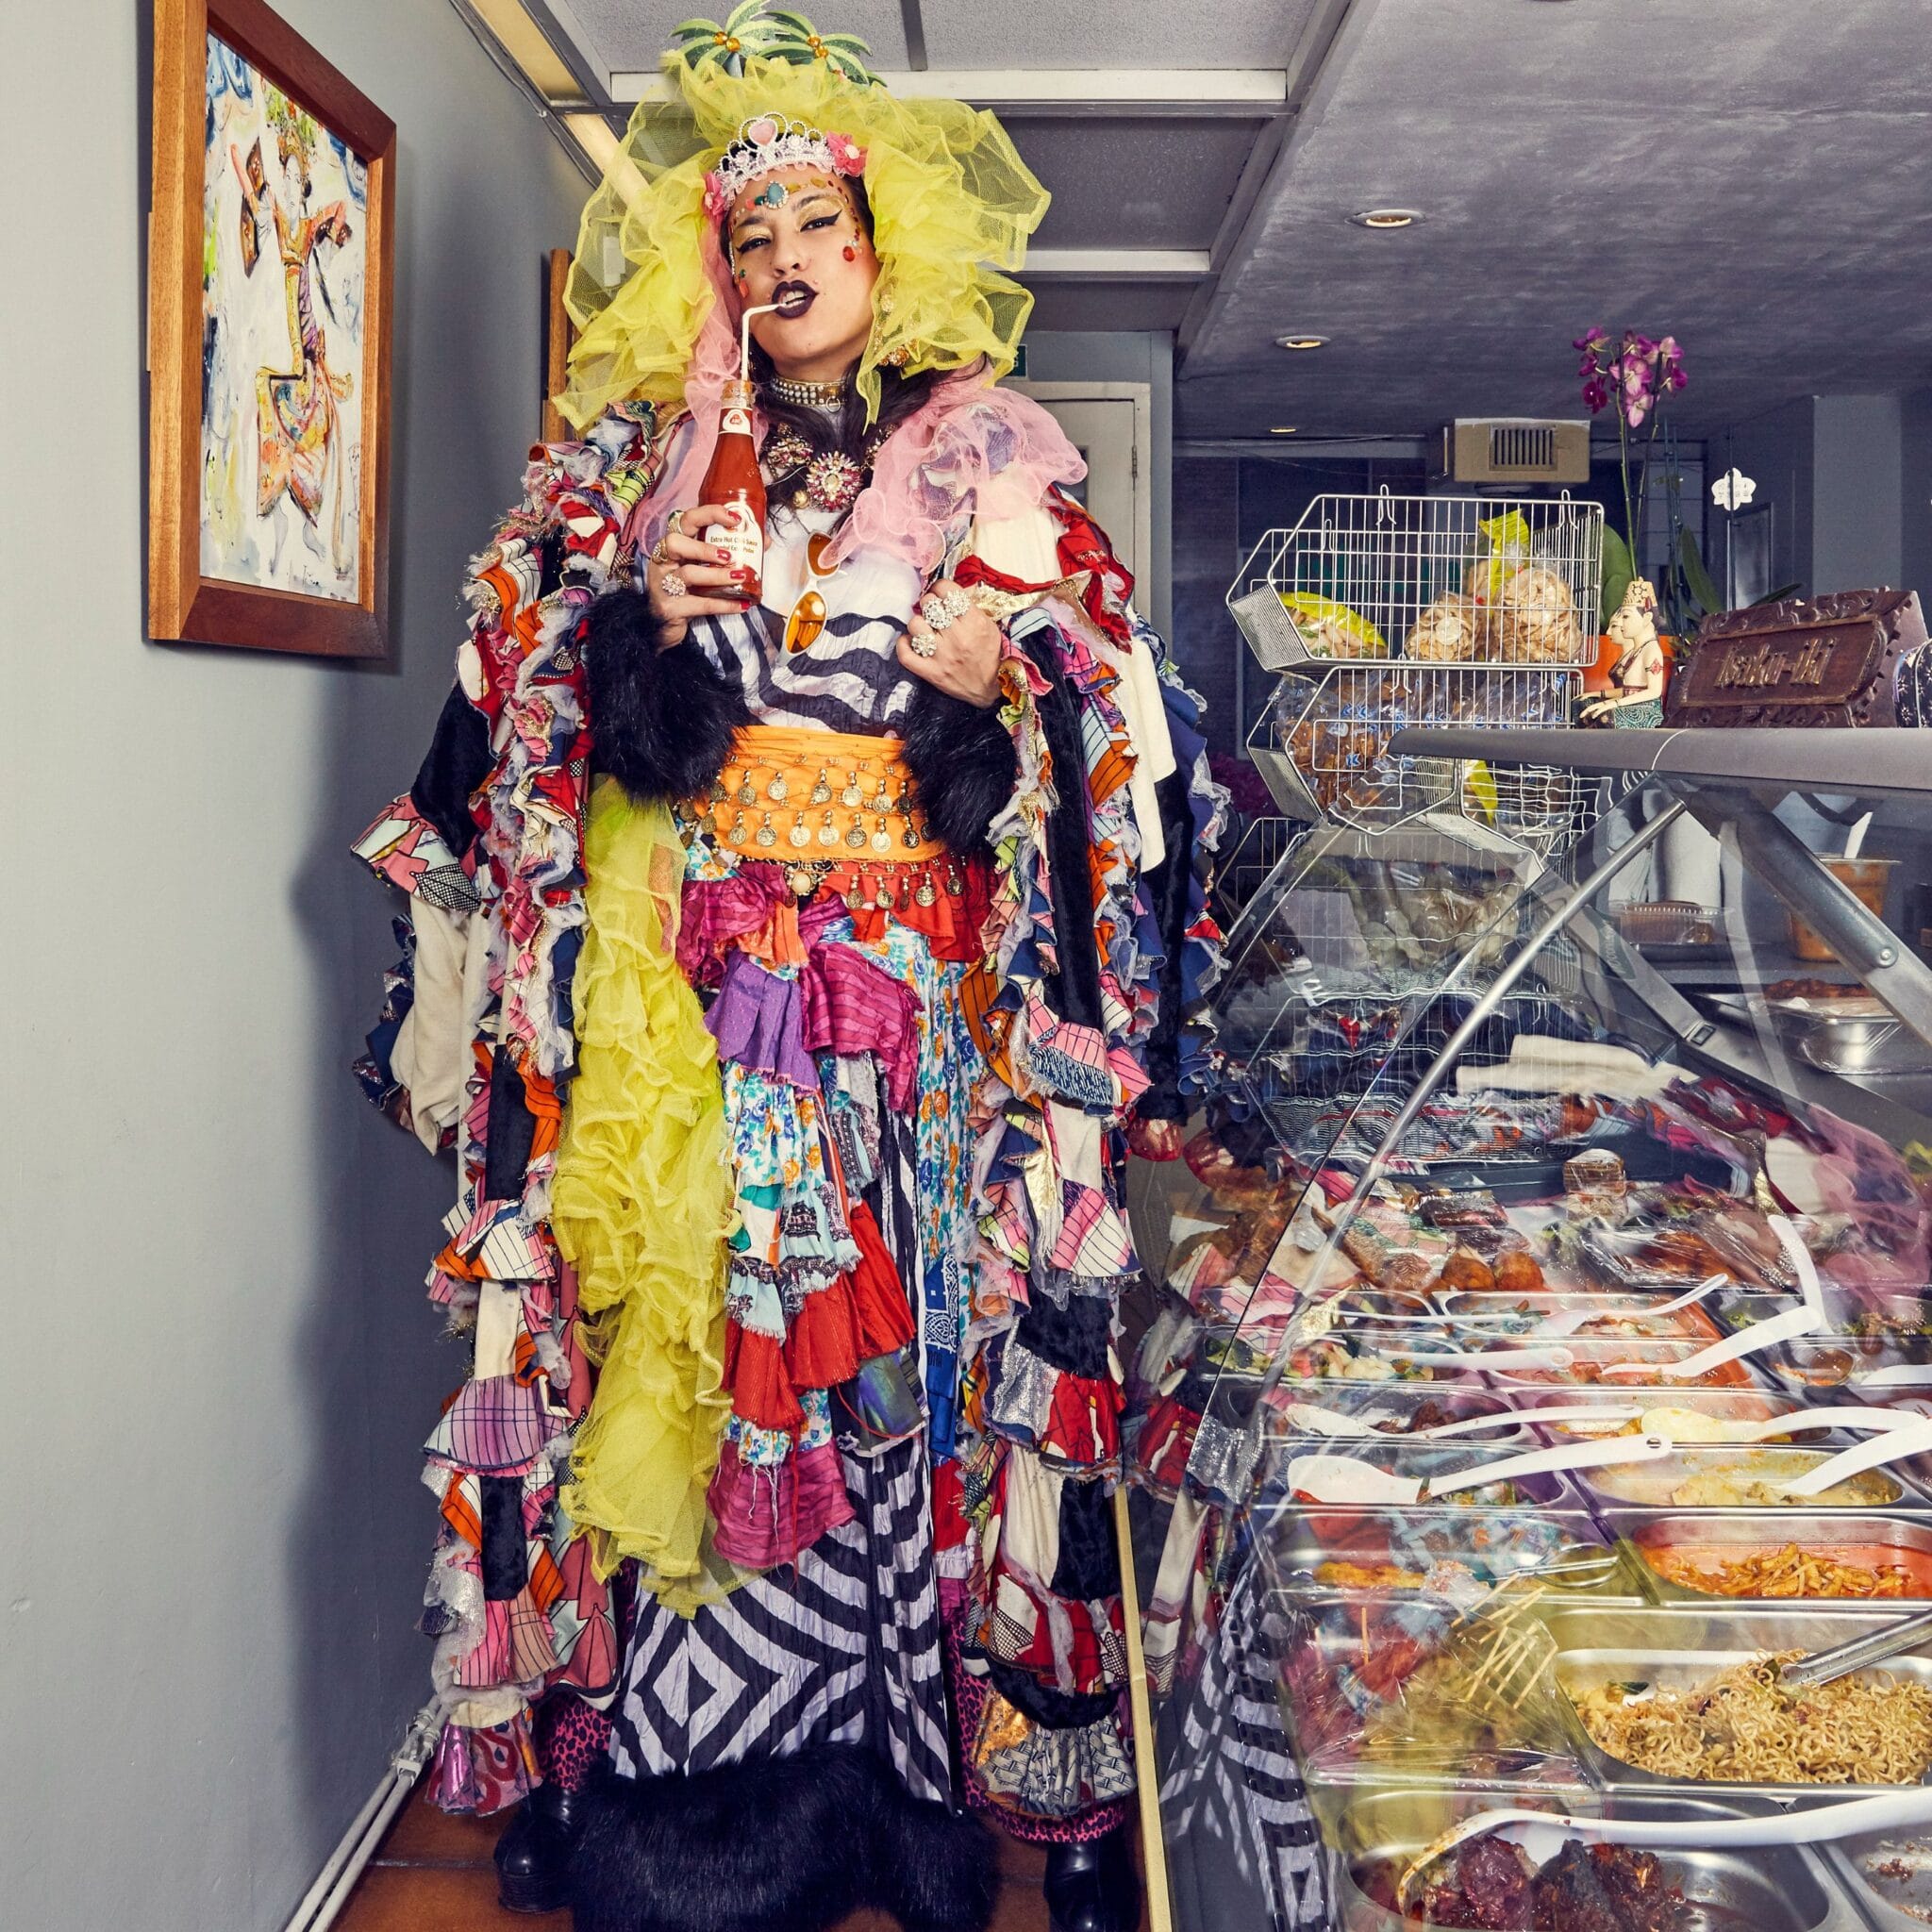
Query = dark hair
x=847 y=433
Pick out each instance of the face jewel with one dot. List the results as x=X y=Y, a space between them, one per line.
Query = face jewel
x=800 y=833
x=747 y=792
x=851 y=795
x=855 y=837
x=822 y=791
x=882 y=840
x=828 y=832
x=777 y=791
x=766 y=835
x=925 y=894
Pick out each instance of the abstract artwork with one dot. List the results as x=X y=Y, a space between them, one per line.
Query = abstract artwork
x=269 y=339
x=285 y=214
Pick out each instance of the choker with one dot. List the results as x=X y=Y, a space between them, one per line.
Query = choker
x=806 y=394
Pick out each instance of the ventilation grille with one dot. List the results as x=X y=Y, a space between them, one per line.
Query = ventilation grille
x=1516 y=450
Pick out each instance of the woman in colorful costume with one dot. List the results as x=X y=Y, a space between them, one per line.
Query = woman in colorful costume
x=791 y=953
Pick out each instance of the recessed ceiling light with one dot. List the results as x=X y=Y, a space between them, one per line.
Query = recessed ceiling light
x=1301 y=342
x=1283 y=429
x=1386 y=218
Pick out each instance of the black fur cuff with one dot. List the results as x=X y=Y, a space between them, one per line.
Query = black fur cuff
x=661 y=721
x=963 y=765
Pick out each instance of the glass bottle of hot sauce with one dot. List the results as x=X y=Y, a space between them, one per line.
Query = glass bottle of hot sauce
x=733 y=477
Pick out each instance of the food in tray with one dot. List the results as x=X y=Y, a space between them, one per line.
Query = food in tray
x=1743 y=1725
x=1789 y=1571
x=1456 y=1555
x=1454 y=1208
x=1336 y=1573
x=1720 y=1478
x=1519 y=1271
x=1466 y=1269
x=1629 y=1365
x=1345 y=1358
x=1650 y=1257
x=1493 y=1884
x=1825 y=992
x=1595 y=1184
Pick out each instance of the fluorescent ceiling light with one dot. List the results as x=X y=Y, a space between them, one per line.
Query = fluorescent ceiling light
x=521 y=39
x=1301 y=342
x=1284 y=429
x=1386 y=218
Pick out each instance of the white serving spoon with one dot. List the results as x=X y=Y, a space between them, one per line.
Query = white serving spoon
x=1541 y=1833
x=1347 y=1480
x=1888 y=1446
x=1325 y=1422
x=1899 y=1376
x=1665 y=1420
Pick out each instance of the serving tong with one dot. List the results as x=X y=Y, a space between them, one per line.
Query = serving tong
x=1349 y=1480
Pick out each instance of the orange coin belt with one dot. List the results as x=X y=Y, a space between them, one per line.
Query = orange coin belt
x=796 y=795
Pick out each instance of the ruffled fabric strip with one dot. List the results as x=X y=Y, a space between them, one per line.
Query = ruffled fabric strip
x=643 y=1207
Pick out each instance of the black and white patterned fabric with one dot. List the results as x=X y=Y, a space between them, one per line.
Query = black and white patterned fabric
x=1242 y=1840
x=842 y=1649
x=850 y=679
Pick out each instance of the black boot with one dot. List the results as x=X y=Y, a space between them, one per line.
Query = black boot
x=533 y=1853
x=1091 y=1886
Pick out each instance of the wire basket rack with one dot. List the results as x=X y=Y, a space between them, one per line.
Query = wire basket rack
x=1323 y=747
x=1436 y=579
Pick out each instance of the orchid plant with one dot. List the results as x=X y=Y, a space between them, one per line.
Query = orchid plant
x=1636 y=376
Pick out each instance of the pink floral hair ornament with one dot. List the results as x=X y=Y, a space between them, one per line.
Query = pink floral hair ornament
x=768 y=142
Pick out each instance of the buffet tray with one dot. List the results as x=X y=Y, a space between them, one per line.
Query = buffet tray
x=1649 y=1485
x=1729 y=1404
x=1720 y=1536
x=1861 y=1036
x=1680 y=1644
x=1888 y=1876
x=1565 y=1552
x=1772 y=1889
x=1395 y=1401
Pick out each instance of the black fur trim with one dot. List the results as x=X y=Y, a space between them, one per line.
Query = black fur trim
x=800 y=1842
x=963 y=765
x=458 y=763
x=661 y=721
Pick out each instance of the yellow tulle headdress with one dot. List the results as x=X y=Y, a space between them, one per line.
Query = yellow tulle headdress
x=952 y=206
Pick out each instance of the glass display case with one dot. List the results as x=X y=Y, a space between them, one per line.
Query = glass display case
x=1604 y=1160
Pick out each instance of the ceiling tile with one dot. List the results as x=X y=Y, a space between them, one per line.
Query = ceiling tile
x=1112 y=33
x=1107 y=305
x=1124 y=184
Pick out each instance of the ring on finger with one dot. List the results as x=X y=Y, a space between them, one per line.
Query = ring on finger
x=660 y=550
x=671 y=584
x=942 y=608
x=924 y=643
x=673 y=524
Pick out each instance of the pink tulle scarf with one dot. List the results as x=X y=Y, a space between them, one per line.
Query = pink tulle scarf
x=971 y=449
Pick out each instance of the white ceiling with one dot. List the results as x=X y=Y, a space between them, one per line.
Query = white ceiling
x=1755 y=175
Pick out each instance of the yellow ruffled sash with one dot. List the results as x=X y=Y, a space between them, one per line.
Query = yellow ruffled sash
x=641 y=1207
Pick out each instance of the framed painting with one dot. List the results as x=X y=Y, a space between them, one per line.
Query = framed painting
x=270 y=261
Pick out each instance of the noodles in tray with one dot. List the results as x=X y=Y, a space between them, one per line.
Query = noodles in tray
x=1789 y=1571
x=1743 y=1725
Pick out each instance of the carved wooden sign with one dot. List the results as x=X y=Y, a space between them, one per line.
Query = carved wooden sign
x=1808 y=660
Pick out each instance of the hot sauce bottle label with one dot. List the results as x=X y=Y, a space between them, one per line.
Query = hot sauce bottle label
x=742 y=542
x=734 y=421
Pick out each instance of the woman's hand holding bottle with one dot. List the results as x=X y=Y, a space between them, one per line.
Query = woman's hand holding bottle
x=688 y=578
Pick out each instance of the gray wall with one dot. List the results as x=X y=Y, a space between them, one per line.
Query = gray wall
x=213 y=1529
x=1844 y=472
x=1126 y=356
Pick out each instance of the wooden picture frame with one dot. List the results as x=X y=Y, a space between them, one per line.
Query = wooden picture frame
x=560 y=333
x=283 y=424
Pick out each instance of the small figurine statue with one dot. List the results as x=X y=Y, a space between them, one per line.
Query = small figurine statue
x=1636 y=696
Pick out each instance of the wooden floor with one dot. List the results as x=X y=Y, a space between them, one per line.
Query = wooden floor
x=433 y=1873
